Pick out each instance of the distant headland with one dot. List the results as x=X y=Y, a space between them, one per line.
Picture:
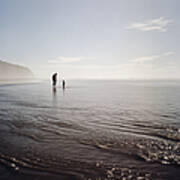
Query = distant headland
x=10 y=71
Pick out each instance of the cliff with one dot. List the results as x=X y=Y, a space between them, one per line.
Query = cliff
x=12 y=71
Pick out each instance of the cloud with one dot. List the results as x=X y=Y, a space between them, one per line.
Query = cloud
x=159 y=24
x=151 y=58
x=61 y=59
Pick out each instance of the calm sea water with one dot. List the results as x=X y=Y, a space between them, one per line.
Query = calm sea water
x=91 y=130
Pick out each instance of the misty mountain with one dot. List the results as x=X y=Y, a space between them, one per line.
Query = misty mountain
x=13 y=71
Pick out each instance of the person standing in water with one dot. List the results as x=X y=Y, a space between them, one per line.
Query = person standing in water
x=54 y=79
x=63 y=84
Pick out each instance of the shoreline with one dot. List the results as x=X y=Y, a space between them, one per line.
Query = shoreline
x=4 y=82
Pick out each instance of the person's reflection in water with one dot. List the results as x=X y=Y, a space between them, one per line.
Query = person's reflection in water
x=54 y=93
x=54 y=90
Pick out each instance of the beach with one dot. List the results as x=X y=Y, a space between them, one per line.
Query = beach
x=93 y=129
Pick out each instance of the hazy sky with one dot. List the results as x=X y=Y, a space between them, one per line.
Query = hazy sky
x=92 y=38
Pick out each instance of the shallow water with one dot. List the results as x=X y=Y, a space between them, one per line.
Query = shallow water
x=91 y=130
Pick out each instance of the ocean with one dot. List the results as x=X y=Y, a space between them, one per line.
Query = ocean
x=92 y=130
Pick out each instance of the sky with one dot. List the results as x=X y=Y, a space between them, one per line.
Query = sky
x=94 y=39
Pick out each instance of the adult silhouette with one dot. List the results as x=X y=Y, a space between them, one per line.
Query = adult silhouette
x=54 y=79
